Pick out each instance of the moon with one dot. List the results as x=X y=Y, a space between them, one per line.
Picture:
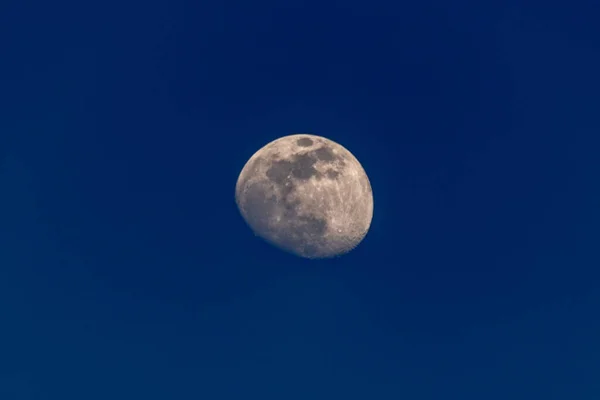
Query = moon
x=306 y=195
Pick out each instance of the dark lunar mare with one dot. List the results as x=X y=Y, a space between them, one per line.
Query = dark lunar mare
x=302 y=231
x=332 y=174
x=304 y=142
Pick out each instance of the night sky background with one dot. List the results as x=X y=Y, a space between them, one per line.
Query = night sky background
x=126 y=271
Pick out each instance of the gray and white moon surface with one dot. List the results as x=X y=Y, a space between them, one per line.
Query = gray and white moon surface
x=307 y=195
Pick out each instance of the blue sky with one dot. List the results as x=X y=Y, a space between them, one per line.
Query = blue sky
x=127 y=271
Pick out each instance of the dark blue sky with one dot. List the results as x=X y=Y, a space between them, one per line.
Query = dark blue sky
x=127 y=272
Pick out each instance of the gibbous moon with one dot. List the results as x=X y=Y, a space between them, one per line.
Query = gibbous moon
x=306 y=195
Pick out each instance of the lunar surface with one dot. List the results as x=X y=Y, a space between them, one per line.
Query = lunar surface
x=306 y=195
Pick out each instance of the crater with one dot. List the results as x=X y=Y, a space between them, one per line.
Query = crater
x=304 y=142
